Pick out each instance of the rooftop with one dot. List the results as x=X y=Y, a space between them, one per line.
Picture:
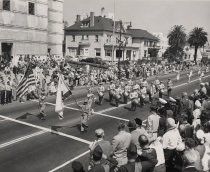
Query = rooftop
x=139 y=33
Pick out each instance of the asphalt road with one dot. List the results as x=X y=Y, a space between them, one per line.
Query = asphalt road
x=28 y=144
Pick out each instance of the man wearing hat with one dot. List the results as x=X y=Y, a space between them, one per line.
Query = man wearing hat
x=171 y=140
x=134 y=99
x=42 y=104
x=101 y=90
x=161 y=89
x=127 y=90
x=203 y=90
x=118 y=94
x=111 y=89
x=169 y=87
x=136 y=129
x=86 y=112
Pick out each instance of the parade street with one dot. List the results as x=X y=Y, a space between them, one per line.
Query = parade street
x=31 y=144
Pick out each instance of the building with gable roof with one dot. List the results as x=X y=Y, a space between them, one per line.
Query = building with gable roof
x=93 y=37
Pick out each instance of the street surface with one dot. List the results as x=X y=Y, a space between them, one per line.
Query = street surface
x=28 y=144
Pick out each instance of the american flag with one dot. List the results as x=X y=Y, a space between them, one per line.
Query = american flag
x=27 y=80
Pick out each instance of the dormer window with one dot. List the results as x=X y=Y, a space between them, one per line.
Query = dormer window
x=85 y=24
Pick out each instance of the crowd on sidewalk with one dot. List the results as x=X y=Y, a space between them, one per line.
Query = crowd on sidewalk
x=175 y=137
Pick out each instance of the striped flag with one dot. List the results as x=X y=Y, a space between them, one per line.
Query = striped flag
x=27 y=80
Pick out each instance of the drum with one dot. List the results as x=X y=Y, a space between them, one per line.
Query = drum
x=100 y=94
x=162 y=91
x=135 y=101
x=111 y=92
x=126 y=94
x=118 y=96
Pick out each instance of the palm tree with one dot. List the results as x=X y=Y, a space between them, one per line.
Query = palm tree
x=177 y=39
x=197 y=38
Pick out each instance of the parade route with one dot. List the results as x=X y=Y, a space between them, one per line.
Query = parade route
x=52 y=145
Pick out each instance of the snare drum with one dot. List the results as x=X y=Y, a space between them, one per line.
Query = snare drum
x=117 y=96
x=126 y=94
x=135 y=101
x=100 y=94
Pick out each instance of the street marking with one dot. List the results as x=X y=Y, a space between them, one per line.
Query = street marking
x=68 y=162
x=46 y=129
x=3 y=120
x=21 y=139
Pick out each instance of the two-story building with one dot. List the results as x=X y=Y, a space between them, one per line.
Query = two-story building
x=98 y=36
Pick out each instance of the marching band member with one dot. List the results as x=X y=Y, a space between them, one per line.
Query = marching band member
x=157 y=83
x=161 y=89
x=101 y=90
x=111 y=89
x=86 y=111
x=169 y=87
x=127 y=90
x=117 y=95
x=178 y=75
x=42 y=104
x=134 y=99
x=190 y=75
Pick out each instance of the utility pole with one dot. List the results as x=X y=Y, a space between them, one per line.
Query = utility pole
x=119 y=50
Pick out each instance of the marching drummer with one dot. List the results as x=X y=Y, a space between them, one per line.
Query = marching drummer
x=134 y=99
x=111 y=89
x=127 y=90
x=117 y=95
x=169 y=87
x=190 y=75
x=157 y=83
x=161 y=89
x=101 y=90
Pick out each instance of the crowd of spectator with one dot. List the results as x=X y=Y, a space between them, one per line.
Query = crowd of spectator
x=174 y=137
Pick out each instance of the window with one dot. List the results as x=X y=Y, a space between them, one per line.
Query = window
x=85 y=37
x=109 y=38
x=73 y=38
x=145 y=53
x=98 y=52
x=96 y=38
x=31 y=8
x=108 y=53
x=6 y=5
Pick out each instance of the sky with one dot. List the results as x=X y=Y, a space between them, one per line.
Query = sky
x=152 y=15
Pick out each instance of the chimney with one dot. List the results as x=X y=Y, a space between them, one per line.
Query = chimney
x=78 y=18
x=102 y=11
x=129 y=26
x=91 y=19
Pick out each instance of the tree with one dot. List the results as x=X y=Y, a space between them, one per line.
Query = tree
x=177 y=39
x=197 y=38
x=153 y=52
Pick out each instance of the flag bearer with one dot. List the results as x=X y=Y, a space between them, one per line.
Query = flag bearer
x=42 y=104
